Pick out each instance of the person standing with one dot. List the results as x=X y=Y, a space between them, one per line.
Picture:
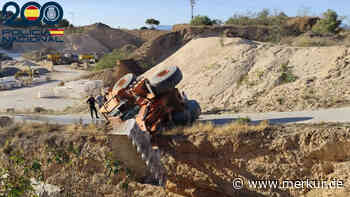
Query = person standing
x=91 y=101
x=100 y=100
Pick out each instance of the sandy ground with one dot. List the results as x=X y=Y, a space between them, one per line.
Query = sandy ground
x=237 y=75
x=339 y=115
x=27 y=98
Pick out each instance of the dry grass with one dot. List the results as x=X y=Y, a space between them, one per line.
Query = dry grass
x=305 y=41
x=77 y=109
x=210 y=128
x=94 y=130
x=82 y=108
x=31 y=128
x=39 y=128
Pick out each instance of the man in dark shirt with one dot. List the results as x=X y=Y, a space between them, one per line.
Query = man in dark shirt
x=100 y=100
x=91 y=101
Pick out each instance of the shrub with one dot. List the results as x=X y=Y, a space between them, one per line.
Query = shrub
x=280 y=100
x=152 y=22
x=39 y=110
x=61 y=83
x=217 y=22
x=144 y=28
x=109 y=60
x=328 y=24
x=263 y=17
x=245 y=120
x=305 y=41
x=287 y=75
x=201 y=20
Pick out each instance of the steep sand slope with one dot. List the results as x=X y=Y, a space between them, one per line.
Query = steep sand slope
x=240 y=75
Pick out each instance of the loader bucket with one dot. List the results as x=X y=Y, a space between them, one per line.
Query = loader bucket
x=133 y=147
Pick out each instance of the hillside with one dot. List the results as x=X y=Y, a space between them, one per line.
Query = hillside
x=202 y=161
x=233 y=74
x=93 y=38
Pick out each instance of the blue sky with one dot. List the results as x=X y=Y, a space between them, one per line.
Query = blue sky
x=132 y=13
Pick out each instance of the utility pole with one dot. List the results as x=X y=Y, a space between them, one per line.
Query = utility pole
x=72 y=14
x=193 y=3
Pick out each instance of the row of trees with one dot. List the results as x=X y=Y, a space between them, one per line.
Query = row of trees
x=328 y=23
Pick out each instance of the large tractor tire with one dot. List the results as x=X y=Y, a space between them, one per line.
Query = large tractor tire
x=194 y=108
x=166 y=79
x=189 y=115
x=124 y=82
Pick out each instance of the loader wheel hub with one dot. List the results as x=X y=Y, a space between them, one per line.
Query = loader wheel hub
x=121 y=83
x=163 y=73
x=124 y=82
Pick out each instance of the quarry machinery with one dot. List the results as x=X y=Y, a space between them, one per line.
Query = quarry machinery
x=64 y=58
x=139 y=109
x=54 y=58
x=90 y=58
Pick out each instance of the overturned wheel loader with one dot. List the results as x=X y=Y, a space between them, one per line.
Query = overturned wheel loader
x=139 y=109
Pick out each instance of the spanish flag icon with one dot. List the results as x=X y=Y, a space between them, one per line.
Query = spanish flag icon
x=32 y=13
x=56 y=32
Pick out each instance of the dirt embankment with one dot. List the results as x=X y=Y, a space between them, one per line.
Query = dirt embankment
x=233 y=74
x=259 y=33
x=147 y=34
x=158 y=49
x=201 y=161
x=204 y=164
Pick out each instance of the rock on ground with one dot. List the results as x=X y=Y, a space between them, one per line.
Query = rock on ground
x=5 y=121
x=46 y=190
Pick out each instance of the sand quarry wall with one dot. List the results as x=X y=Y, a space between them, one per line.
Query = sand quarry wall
x=240 y=75
x=201 y=162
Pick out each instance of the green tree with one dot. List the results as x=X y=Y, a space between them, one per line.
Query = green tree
x=64 y=23
x=264 y=14
x=328 y=24
x=152 y=22
x=264 y=17
x=279 y=19
x=217 y=22
x=201 y=20
x=109 y=60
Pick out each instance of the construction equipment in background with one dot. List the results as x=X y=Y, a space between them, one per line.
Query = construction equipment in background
x=66 y=58
x=54 y=58
x=69 y=58
x=139 y=109
x=88 y=58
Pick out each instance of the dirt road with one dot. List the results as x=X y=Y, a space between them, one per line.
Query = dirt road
x=319 y=116
x=27 y=98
